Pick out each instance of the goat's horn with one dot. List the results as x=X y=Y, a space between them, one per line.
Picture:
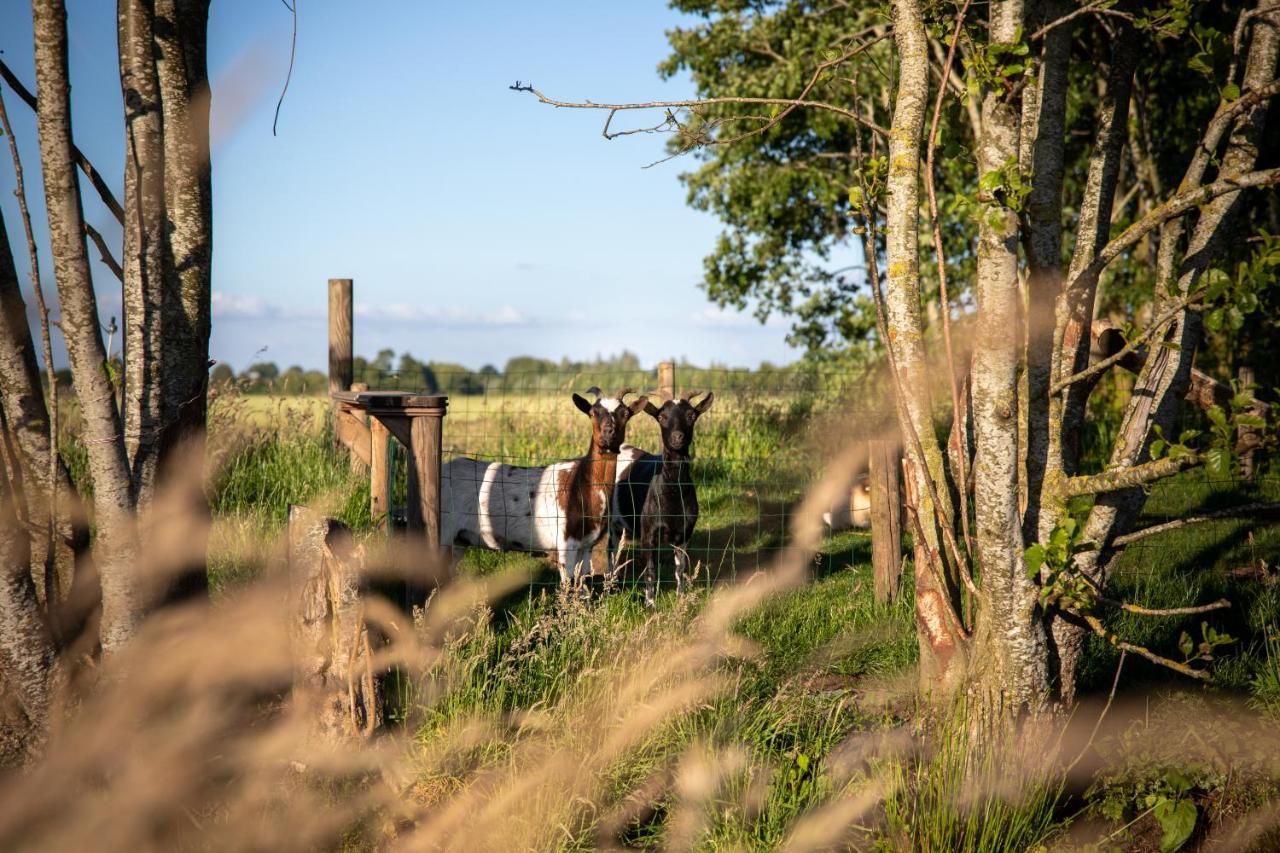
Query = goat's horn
x=689 y=395
x=624 y=392
x=594 y=391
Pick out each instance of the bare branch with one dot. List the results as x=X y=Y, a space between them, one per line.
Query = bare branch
x=693 y=104
x=1245 y=511
x=104 y=251
x=1220 y=604
x=104 y=191
x=1113 y=639
x=1083 y=10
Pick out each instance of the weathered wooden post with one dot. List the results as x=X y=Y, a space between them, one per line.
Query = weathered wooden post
x=379 y=472
x=341 y=349
x=1245 y=376
x=886 y=517
x=424 y=473
x=667 y=378
x=359 y=462
x=333 y=666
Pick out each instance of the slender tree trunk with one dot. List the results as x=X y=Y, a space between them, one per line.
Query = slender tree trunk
x=145 y=261
x=1072 y=330
x=1009 y=649
x=108 y=466
x=27 y=655
x=181 y=28
x=1044 y=114
x=942 y=644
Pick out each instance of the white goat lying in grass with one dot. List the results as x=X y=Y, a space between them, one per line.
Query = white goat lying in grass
x=561 y=509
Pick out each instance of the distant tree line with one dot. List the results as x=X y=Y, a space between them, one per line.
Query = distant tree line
x=520 y=374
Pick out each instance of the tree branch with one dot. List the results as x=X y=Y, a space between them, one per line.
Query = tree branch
x=104 y=251
x=1132 y=346
x=104 y=191
x=1113 y=639
x=1245 y=511
x=1084 y=10
x=700 y=102
x=1172 y=208
x=1124 y=478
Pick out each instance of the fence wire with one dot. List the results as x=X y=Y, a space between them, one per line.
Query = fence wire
x=763 y=442
x=755 y=452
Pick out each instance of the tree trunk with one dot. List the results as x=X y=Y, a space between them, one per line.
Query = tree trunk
x=145 y=260
x=27 y=656
x=53 y=549
x=108 y=466
x=942 y=658
x=1072 y=329
x=1042 y=147
x=1009 y=649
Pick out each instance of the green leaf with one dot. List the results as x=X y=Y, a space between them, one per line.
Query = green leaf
x=1218 y=461
x=1035 y=559
x=1186 y=644
x=1158 y=447
x=1230 y=92
x=1177 y=820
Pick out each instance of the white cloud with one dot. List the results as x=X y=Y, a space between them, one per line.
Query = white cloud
x=712 y=317
x=235 y=306
x=400 y=312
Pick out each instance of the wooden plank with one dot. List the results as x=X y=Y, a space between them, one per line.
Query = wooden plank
x=352 y=434
x=379 y=472
x=886 y=518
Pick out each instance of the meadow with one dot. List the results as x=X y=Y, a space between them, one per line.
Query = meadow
x=809 y=734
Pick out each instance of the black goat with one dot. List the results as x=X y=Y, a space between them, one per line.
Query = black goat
x=654 y=500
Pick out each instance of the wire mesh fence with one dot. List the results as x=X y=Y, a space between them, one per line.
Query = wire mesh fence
x=754 y=452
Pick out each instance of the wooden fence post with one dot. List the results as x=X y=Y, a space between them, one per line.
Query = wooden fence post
x=886 y=518
x=1245 y=376
x=333 y=665
x=667 y=378
x=379 y=471
x=341 y=355
x=359 y=462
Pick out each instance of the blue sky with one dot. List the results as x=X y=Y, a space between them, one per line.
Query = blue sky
x=477 y=223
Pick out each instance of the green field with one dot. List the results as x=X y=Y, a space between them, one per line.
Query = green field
x=829 y=666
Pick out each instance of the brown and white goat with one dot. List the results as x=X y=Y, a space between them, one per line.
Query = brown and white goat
x=561 y=509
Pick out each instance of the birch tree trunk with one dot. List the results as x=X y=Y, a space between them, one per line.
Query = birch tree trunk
x=108 y=465
x=55 y=543
x=941 y=640
x=1008 y=654
x=145 y=262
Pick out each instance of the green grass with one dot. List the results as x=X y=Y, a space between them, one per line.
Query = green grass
x=830 y=665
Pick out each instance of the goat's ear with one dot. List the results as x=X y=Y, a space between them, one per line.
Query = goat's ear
x=652 y=409
x=704 y=403
x=638 y=404
x=581 y=403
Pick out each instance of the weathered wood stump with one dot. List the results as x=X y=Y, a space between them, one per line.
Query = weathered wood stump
x=333 y=654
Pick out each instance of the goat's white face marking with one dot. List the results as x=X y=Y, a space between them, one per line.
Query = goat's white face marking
x=610 y=403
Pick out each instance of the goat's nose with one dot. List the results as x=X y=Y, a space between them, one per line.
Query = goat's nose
x=677 y=438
